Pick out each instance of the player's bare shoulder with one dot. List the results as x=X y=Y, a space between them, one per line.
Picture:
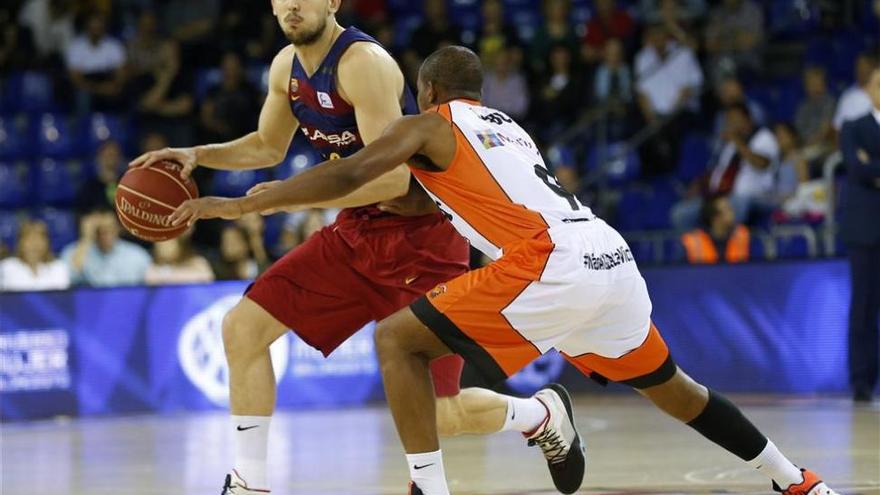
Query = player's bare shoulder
x=279 y=71
x=366 y=65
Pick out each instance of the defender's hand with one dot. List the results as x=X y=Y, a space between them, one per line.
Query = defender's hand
x=184 y=156
x=208 y=207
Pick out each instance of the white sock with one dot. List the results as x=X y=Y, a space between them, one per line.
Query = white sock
x=774 y=465
x=524 y=415
x=426 y=470
x=251 y=446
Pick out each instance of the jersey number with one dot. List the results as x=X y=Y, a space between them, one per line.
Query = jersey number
x=553 y=183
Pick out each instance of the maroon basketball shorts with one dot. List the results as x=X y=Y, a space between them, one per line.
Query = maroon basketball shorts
x=361 y=269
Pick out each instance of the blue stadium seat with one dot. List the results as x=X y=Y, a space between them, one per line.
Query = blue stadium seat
x=694 y=159
x=631 y=209
x=792 y=247
x=789 y=95
x=274 y=225
x=561 y=156
x=791 y=18
x=757 y=250
x=404 y=27
x=258 y=75
x=9 y=222
x=643 y=251
x=234 y=183
x=100 y=127
x=15 y=144
x=465 y=13
x=55 y=136
x=30 y=92
x=621 y=169
x=673 y=250
x=15 y=185
x=62 y=226
x=205 y=80
x=660 y=199
x=58 y=182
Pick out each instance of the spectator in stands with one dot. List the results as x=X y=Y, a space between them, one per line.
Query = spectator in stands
x=654 y=11
x=814 y=114
x=50 y=23
x=860 y=230
x=230 y=109
x=33 y=267
x=96 y=66
x=435 y=31
x=556 y=30
x=720 y=239
x=729 y=91
x=236 y=260
x=249 y=28
x=560 y=97
x=504 y=85
x=668 y=85
x=495 y=33
x=176 y=262
x=193 y=24
x=733 y=35
x=160 y=89
x=854 y=102
x=99 y=258
x=98 y=192
x=802 y=198
x=613 y=90
x=745 y=168
x=13 y=44
x=609 y=22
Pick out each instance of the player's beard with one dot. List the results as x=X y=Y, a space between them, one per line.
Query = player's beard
x=308 y=37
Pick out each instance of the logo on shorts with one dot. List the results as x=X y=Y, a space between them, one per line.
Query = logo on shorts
x=436 y=291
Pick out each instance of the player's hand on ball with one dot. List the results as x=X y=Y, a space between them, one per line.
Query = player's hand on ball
x=208 y=207
x=265 y=186
x=186 y=157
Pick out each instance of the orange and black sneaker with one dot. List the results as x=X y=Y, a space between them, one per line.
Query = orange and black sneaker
x=811 y=485
x=414 y=489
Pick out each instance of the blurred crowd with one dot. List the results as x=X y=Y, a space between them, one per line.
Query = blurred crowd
x=693 y=78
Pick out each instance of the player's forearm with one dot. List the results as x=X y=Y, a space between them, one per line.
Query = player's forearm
x=319 y=185
x=246 y=152
x=389 y=186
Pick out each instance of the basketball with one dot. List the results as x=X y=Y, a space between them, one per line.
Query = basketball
x=146 y=197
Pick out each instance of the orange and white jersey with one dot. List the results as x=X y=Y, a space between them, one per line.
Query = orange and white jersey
x=497 y=190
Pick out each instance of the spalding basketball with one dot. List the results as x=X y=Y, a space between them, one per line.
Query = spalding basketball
x=147 y=196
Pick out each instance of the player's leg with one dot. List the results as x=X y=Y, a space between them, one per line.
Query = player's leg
x=248 y=331
x=651 y=371
x=721 y=422
x=405 y=349
x=480 y=411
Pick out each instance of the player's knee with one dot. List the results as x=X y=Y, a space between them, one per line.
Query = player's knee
x=386 y=341
x=238 y=336
x=450 y=417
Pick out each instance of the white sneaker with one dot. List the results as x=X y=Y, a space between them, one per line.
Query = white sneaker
x=235 y=485
x=811 y=485
x=559 y=439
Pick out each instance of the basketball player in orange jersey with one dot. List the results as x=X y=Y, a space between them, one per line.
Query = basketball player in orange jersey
x=562 y=278
x=341 y=88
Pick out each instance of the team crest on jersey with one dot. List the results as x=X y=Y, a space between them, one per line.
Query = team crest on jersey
x=489 y=139
x=324 y=100
x=294 y=89
x=436 y=291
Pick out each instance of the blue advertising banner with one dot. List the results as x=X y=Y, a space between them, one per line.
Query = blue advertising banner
x=759 y=328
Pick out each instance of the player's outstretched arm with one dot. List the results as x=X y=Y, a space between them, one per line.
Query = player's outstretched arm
x=332 y=179
x=265 y=147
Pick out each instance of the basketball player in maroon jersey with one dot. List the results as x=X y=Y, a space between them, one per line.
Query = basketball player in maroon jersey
x=342 y=89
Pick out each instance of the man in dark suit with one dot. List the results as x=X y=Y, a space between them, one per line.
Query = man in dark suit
x=860 y=230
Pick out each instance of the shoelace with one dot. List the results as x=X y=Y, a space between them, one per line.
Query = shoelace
x=552 y=444
x=227 y=486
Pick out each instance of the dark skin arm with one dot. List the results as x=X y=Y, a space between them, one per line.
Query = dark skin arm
x=427 y=134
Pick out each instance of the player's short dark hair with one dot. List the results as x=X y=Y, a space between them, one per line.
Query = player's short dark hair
x=456 y=69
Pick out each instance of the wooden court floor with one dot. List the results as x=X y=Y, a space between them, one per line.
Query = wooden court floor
x=632 y=449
